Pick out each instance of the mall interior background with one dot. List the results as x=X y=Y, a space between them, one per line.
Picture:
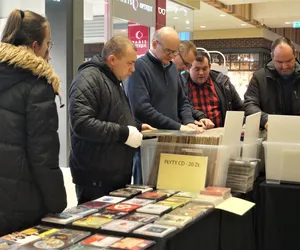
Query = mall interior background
x=242 y=30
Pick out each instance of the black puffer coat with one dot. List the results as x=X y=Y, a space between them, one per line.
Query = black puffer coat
x=99 y=116
x=31 y=182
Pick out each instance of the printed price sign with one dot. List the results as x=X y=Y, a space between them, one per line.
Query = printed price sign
x=182 y=172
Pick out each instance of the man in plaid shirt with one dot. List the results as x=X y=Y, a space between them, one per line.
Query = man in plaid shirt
x=211 y=91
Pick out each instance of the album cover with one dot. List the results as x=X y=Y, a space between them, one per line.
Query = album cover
x=25 y=236
x=155 y=230
x=194 y=213
x=8 y=245
x=130 y=243
x=174 y=220
x=140 y=202
x=120 y=225
x=196 y=206
x=171 y=204
x=216 y=191
x=61 y=218
x=98 y=205
x=19 y=238
x=152 y=195
x=110 y=199
x=40 y=230
x=58 y=240
x=100 y=240
x=168 y=192
x=78 y=246
x=110 y=214
x=125 y=192
x=187 y=194
x=91 y=221
x=81 y=210
x=123 y=207
x=154 y=209
x=141 y=188
x=207 y=200
x=141 y=217
x=179 y=199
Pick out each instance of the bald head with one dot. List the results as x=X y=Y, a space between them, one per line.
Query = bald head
x=284 y=56
x=165 y=44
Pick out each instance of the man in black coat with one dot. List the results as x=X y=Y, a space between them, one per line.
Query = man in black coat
x=210 y=92
x=103 y=132
x=275 y=89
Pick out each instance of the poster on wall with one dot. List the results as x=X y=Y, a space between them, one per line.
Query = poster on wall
x=139 y=35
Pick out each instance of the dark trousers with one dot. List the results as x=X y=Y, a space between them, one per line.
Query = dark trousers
x=137 y=168
x=88 y=193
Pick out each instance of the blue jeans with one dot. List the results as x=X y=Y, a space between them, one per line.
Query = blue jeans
x=137 y=168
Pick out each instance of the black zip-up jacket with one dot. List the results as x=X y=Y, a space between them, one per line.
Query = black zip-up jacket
x=31 y=182
x=99 y=115
x=228 y=97
x=264 y=93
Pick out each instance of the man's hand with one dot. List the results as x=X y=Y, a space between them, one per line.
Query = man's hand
x=266 y=126
x=205 y=123
x=147 y=127
x=191 y=127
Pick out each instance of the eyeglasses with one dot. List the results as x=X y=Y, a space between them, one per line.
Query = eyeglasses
x=186 y=64
x=167 y=51
x=50 y=45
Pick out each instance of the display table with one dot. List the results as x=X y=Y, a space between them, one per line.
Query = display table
x=203 y=233
x=279 y=216
x=216 y=230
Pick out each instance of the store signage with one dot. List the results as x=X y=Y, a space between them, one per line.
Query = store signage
x=138 y=11
x=296 y=25
x=161 y=13
x=136 y=4
x=139 y=35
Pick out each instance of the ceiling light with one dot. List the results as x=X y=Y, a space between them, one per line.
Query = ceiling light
x=202 y=26
x=222 y=15
x=123 y=30
x=288 y=22
x=243 y=24
x=187 y=22
x=175 y=17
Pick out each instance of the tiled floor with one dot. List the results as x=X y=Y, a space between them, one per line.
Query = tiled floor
x=70 y=187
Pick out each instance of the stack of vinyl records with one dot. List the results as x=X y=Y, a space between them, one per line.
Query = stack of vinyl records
x=241 y=175
x=174 y=141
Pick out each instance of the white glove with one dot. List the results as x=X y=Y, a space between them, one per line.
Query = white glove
x=135 y=138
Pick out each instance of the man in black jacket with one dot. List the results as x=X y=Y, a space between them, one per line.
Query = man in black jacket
x=103 y=132
x=275 y=89
x=211 y=92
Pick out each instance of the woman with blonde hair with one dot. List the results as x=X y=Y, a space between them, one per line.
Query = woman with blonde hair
x=31 y=182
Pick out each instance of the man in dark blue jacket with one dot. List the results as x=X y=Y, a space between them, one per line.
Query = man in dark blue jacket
x=154 y=90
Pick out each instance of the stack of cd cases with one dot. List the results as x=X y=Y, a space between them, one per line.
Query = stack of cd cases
x=241 y=175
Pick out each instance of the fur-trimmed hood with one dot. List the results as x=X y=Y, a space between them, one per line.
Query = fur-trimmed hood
x=23 y=57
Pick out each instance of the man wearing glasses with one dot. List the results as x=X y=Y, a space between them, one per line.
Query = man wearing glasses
x=154 y=90
x=275 y=88
x=187 y=53
x=211 y=92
